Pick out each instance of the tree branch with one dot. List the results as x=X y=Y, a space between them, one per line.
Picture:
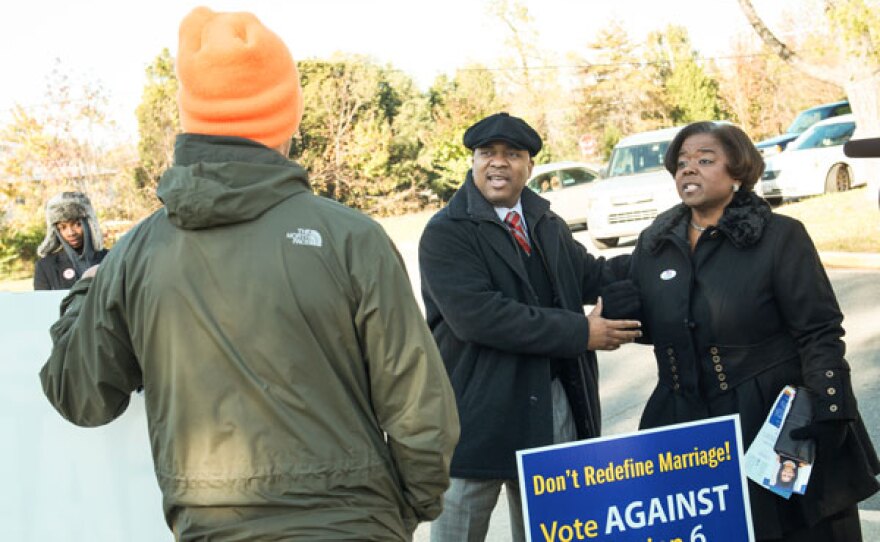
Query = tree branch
x=834 y=77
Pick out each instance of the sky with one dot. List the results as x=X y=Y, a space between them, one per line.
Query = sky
x=110 y=42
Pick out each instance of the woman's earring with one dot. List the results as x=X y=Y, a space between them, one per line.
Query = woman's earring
x=735 y=187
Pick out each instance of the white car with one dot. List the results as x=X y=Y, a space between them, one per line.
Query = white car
x=814 y=163
x=636 y=190
x=565 y=186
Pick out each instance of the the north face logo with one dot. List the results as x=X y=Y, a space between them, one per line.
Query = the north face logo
x=305 y=236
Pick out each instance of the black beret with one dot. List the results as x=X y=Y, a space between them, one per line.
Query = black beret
x=502 y=127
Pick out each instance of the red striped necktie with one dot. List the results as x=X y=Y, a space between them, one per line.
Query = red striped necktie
x=514 y=224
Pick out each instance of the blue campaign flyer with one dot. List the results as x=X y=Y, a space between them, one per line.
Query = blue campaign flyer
x=679 y=483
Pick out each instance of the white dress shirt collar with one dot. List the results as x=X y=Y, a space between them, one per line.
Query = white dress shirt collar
x=502 y=212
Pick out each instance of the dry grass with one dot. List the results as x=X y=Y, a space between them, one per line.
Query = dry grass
x=17 y=285
x=844 y=222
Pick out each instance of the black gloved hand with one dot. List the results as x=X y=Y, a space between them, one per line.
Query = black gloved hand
x=620 y=301
x=828 y=434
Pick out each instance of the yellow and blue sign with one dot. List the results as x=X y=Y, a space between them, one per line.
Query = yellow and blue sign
x=679 y=483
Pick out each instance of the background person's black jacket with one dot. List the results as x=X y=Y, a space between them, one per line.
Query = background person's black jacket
x=56 y=271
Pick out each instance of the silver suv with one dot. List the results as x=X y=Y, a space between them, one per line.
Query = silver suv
x=565 y=185
x=636 y=189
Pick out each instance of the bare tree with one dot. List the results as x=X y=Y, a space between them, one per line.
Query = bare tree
x=852 y=24
x=531 y=89
x=59 y=144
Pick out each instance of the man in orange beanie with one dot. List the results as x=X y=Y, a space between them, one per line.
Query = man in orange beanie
x=292 y=387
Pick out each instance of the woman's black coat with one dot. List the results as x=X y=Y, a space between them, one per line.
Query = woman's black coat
x=496 y=339
x=749 y=311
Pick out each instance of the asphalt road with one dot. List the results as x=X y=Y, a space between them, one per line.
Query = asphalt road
x=628 y=374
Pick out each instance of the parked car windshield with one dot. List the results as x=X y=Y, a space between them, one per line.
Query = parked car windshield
x=558 y=179
x=828 y=135
x=812 y=116
x=804 y=121
x=637 y=159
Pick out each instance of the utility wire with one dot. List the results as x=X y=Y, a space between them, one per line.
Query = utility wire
x=629 y=63
x=611 y=64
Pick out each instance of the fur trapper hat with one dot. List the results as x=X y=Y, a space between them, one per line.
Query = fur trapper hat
x=62 y=208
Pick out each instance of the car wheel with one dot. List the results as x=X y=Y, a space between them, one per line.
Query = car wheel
x=839 y=179
x=605 y=242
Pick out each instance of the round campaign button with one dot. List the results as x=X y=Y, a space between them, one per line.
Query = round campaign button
x=68 y=273
x=668 y=274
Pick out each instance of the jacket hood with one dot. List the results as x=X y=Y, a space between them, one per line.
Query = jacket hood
x=220 y=180
x=743 y=221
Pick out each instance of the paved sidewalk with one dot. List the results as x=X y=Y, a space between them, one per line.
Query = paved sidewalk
x=870 y=524
x=854 y=260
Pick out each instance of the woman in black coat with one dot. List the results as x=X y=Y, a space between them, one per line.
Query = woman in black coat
x=738 y=305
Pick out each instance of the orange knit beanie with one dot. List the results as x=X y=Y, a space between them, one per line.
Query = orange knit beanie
x=236 y=78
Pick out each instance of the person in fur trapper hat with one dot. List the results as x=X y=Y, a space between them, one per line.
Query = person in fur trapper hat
x=73 y=242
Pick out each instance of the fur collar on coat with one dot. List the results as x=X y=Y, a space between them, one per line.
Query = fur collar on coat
x=743 y=221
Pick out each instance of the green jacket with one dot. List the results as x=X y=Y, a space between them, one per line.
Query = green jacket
x=286 y=367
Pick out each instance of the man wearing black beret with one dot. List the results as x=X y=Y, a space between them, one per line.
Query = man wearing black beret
x=504 y=284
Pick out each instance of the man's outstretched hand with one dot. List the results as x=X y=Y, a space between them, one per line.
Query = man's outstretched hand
x=610 y=334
